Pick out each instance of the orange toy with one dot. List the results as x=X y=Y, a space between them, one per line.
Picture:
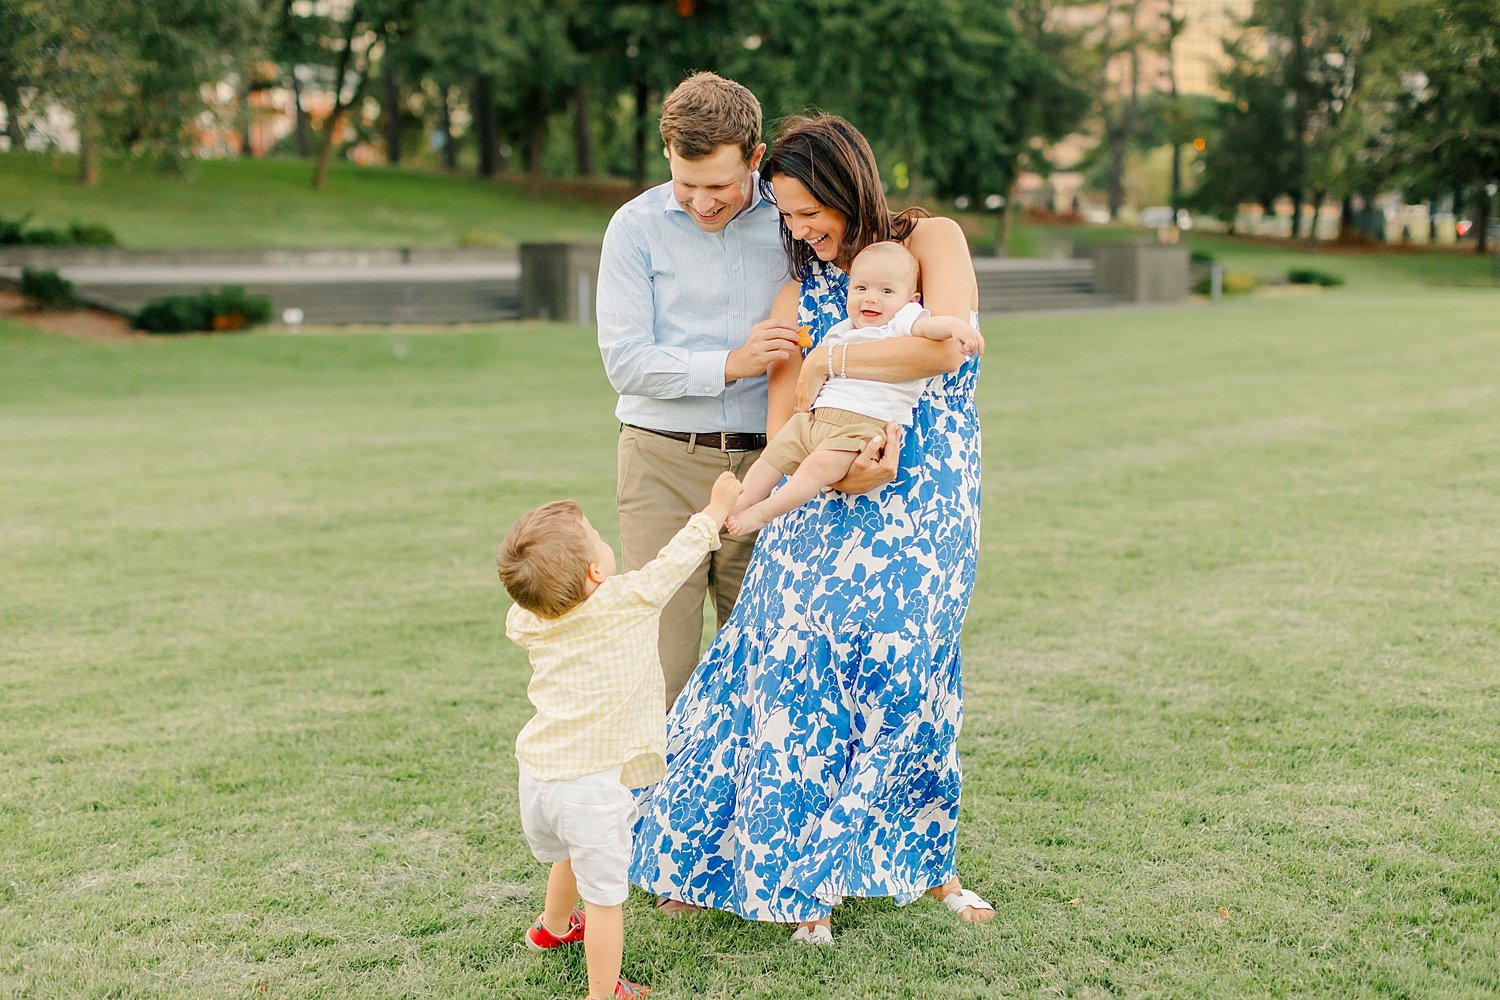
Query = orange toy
x=804 y=337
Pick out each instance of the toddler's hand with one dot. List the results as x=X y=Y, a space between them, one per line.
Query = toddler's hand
x=726 y=493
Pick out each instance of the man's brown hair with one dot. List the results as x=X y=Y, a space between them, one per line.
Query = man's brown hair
x=707 y=111
x=544 y=560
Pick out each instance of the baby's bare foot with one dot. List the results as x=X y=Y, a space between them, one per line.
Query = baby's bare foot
x=745 y=522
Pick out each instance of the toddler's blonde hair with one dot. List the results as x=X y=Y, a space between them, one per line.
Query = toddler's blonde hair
x=544 y=559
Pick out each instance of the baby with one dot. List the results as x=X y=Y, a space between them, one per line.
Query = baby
x=599 y=729
x=816 y=449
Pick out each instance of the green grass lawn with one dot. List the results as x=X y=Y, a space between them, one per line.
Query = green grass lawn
x=271 y=203
x=1231 y=666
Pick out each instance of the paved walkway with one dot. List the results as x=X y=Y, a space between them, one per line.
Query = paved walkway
x=267 y=274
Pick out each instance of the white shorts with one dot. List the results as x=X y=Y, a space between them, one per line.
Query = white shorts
x=586 y=821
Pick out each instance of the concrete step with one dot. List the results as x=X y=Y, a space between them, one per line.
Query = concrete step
x=1044 y=301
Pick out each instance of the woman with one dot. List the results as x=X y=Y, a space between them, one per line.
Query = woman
x=813 y=754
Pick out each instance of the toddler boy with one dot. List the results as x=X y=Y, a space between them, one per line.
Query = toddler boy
x=599 y=730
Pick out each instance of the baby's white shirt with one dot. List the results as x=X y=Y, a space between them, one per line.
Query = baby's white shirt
x=883 y=401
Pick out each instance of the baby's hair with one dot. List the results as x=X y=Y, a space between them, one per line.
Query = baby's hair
x=545 y=558
x=894 y=250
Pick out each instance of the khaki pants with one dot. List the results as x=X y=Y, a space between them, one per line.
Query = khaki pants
x=661 y=484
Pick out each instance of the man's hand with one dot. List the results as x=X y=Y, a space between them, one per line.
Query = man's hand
x=725 y=494
x=769 y=340
x=876 y=464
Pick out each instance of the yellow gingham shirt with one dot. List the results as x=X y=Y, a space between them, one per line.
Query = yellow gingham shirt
x=596 y=679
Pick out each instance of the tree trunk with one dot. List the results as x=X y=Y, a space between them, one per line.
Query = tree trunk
x=1173 y=26
x=642 y=113
x=391 y=105
x=1300 y=113
x=484 y=126
x=1348 y=229
x=88 y=161
x=583 y=132
x=1006 y=220
x=302 y=132
x=1317 y=208
x=1482 y=244
x=12 y=99
x=247 y=139
x=536 y=145
x=445 y=127
x=335 y=124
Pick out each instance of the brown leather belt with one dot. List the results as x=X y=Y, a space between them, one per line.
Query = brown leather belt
x=720 y=440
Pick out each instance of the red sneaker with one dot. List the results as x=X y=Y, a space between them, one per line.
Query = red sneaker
x=539 y=938
x=626 y=990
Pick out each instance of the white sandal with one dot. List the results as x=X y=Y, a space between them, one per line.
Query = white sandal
x=817 y=934
x=965 y=899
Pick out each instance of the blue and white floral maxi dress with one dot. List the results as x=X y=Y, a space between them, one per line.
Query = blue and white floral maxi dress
x=813 y=754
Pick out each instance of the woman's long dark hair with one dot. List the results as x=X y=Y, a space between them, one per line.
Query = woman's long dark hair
x=834 y=162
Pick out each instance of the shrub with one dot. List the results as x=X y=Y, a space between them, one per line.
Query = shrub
x=1235 y=283
x=45 y=237
x=47 y=289
x=91 y=234
x=14 y=232
x=1309 y=276
x=228 y=308
x=1202 y=257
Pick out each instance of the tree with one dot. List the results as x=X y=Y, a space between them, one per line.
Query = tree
x=1446 y=103
x=132 y=74
x=1248 y=156
x=363 y=34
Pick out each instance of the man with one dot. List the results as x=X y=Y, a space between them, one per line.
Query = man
x=686 y=280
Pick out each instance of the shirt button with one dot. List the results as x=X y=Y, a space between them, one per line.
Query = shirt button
x=735 y=268
x=736 y=314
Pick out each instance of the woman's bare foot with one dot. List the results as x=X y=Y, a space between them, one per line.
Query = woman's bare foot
x=675 y=907
x=970 y=914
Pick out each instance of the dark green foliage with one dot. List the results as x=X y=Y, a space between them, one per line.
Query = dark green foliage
x=47 y=289
x=45 y=237
x=1202 y=257
x=91 y=234
x=1312 y=276
x=227 y=309
x=11 y=230
x=14 y=232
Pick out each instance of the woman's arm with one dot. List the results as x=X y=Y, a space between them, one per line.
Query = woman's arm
x=949 y=288
x=781 y=376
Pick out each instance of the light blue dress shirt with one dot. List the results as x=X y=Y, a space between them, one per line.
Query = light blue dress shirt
x=675 y=300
